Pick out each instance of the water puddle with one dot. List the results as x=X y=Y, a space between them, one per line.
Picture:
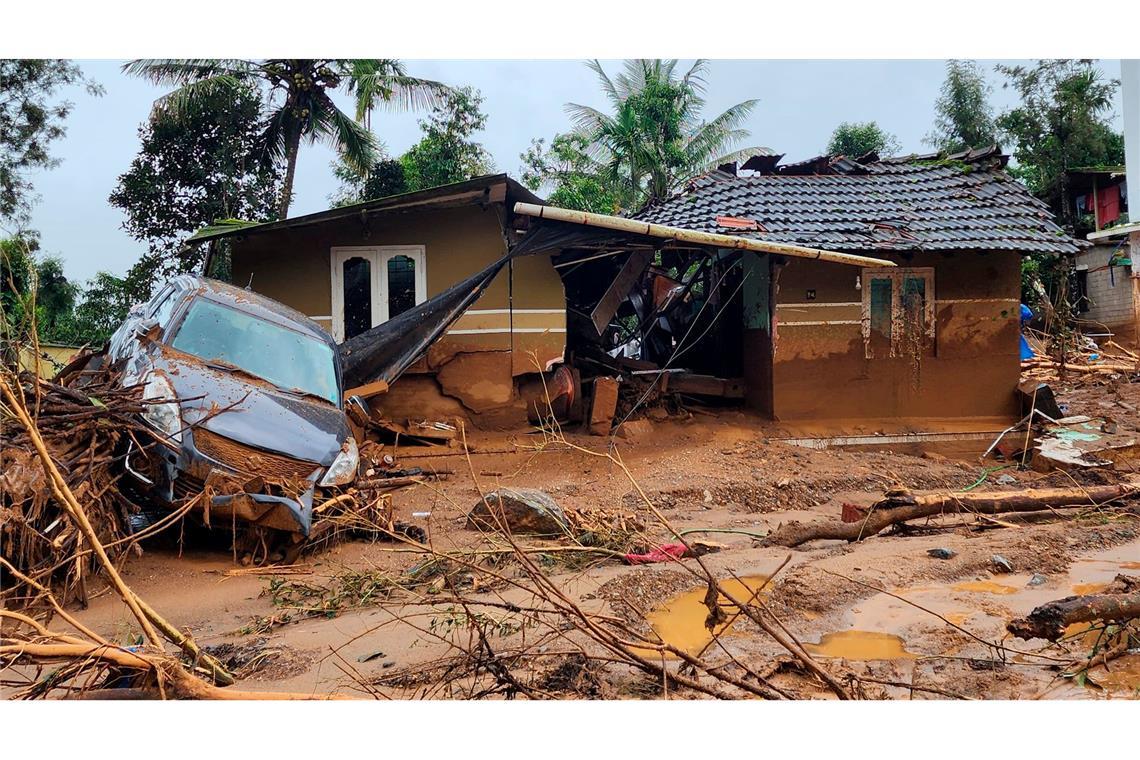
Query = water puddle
x=985 y=587
x=1122 y=678
x=861 y=645
x=1080 y=589
x=681 y=621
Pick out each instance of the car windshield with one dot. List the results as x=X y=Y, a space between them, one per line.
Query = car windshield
x=286 y=358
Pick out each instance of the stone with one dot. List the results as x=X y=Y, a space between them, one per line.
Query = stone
x=942 y=553
x=523 y=510
x=1001 y=564
x=635 y=430
x=1037 y=579
x=1006 y=480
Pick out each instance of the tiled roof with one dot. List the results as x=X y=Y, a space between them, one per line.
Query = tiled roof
x=916 y=203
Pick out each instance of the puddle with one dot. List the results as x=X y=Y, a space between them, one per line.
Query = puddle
x=861 y=645
x=1130 y=565
x=681 y=620
x=985 y=587
x=1080 y=589
x=1122 y=678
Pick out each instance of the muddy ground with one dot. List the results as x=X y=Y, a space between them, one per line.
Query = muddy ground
x=850 y=602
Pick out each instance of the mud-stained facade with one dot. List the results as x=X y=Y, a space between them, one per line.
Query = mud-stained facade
x=341 y=270
x=833 y=357
x=928 y=344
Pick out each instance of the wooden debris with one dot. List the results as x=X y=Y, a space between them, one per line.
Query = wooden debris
x=899 y=506
x=1050 y=620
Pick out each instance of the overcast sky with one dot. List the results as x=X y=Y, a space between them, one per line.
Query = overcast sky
x=801 y=102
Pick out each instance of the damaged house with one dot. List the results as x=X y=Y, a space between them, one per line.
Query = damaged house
x=877 y=294
x=828 y=294
x=354 y=268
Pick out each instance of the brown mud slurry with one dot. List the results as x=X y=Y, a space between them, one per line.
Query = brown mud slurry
x=860 y=645
x=680 y=622
x=705 y=472
x=984 y=587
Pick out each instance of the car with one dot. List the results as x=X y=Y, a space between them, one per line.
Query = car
x=245 y=400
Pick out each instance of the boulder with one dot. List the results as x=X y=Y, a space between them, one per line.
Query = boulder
x=522 y=510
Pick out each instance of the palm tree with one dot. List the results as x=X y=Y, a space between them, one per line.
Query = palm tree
x=656 y=138
x=298 y=93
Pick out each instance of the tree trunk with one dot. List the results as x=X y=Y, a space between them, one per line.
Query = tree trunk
x=292 y=147
x=900 y=506
x=1049 y=621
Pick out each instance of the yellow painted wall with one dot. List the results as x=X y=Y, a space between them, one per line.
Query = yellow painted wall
x=293 y=266
x=51 y=359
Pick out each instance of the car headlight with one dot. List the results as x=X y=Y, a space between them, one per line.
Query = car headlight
x=343 y=469
x=163 y=417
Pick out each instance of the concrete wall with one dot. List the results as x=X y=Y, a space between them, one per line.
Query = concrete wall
x=1111 y=294
x=820 y=369
x=522 y=311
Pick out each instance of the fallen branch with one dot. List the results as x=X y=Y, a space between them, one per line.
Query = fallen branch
x=1050 y=620
x=901 y=506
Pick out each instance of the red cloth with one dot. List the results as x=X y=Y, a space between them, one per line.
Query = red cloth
x=665 y=553
x=1108 y=205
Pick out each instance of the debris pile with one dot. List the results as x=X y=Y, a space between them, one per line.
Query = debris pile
x=86 y=432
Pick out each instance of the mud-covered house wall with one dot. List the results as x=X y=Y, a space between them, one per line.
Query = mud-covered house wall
x=833 y=355
x=519 y=321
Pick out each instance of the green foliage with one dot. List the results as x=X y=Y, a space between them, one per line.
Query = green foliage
x=573 y=176
x=386 y=177
x=299 y=97
x=191 y=171
x=854 y=139
x=963 y=116
x=654 y=139
x=1060 y=124
x=32 y=283
x=106 y=300
x=30 y=120
x=447 y=153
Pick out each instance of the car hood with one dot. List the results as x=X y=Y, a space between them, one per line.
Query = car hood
x=255 y=412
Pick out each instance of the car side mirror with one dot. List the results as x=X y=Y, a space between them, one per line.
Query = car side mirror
x=145 y=328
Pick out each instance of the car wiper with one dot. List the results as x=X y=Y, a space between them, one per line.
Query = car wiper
x=303 y=392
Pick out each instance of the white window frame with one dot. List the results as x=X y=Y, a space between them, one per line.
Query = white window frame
x=378 y=257
x=897 y=275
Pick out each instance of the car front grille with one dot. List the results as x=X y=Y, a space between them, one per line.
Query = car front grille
x=249 y=460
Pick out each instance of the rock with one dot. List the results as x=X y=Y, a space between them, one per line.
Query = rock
x=942 y=553
x=657 y=414
x=1037 y=580
x=933 y=456
x=708 y=497
x=635 y=430
x=1006 y=480
x=523 y=510
x=1001 y=564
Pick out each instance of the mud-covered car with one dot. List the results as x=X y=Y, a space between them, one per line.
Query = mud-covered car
x=245 y=399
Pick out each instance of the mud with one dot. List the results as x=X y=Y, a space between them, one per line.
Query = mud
x=882 y=607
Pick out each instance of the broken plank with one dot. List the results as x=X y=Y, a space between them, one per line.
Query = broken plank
x=368 y=389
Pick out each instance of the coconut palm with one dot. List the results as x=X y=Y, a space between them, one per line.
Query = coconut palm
x=298 y=93
x=655 y=138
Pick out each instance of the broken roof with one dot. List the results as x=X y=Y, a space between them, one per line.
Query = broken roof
x=927 y=203
x=490 y=188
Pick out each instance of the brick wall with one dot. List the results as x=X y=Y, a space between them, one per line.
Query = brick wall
x=1110 y=293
